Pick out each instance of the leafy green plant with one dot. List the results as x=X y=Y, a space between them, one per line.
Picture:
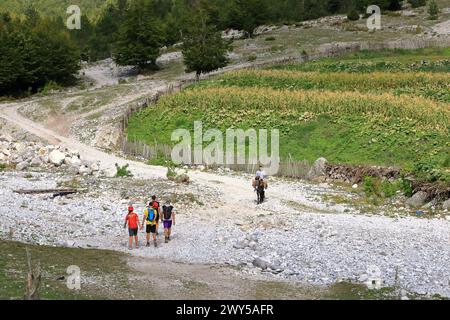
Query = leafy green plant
x=252 y=58
x=123 y=171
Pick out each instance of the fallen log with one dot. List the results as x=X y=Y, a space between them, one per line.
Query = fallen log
x=55 y=192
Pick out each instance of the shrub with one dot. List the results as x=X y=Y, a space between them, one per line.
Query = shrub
x=353 y=15
x=122 y=171
x=252 y=58
x=270 y=39
x=417 y=3
x=433 y=10
x=174 y=176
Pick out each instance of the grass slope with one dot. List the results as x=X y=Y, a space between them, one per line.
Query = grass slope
x=99 y=266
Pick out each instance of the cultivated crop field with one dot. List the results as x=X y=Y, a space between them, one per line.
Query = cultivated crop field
x=383 y=108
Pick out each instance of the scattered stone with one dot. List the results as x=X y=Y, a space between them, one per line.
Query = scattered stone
x=56 y=157
x=22 y=166
x=418 y=199
x=260 y=263
x=446 y=205
x=36 y=162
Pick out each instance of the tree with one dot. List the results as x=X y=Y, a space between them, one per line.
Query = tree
x=33 y=54
x=433 y=10
x=417 y=3
x=204 y=49
x=353 y=15
x=394 y=5
x=247 y=14
x=141 y=36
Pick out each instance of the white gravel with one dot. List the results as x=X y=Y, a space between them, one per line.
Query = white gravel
x=305 y=245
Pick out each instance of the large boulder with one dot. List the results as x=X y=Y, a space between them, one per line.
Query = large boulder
x=260 y=263
x=446 y=205
x=73 y=161
x=418 y=199
x=318 y=169
x=56 y=157
x=108 y=138
x=22 y=166
x=36 y=162
x=84 y=170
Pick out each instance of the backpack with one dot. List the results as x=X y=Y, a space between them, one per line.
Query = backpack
x=151 y=214
x=260 y=184
x=167 y=212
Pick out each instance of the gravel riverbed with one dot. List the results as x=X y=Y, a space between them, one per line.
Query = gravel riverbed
x=273 y=241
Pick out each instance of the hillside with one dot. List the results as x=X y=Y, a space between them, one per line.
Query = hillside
x=53 y=7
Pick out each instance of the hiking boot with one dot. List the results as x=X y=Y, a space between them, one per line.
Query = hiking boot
x=167 y=240
x=148 y=244
x=155 y=244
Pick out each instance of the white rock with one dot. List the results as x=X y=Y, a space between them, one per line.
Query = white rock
x=36 y=162
x=19 y=147
x=446 y=205
x=84 y=170
x=5 y=151
x=42 y=151
x=6 y=137
x=57 y=157
x=73 y=161
x=22 y=166
x=355 y=186
x=94 y=166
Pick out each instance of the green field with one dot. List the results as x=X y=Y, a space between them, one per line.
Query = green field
x=379 y=117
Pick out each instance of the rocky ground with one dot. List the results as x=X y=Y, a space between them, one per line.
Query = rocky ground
x=293 y=236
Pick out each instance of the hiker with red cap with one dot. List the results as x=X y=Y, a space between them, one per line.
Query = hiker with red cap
x=132 y=219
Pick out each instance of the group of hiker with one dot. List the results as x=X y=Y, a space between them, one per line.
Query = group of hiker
x=153 y=214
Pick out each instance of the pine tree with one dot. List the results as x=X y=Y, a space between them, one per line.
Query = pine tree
x=141 y=36
x=353 y=15
x=433 y=10
x=394 y=5
x=204 y=49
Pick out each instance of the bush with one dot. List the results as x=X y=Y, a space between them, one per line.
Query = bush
x=252 y=58
x=172 y=175
x=122 y=171
x=2 y=167
x=417 y=3
x=433 y=10
x=270 y=39
x=353 y=15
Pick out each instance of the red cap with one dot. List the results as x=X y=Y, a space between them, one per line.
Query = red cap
x=130 y=209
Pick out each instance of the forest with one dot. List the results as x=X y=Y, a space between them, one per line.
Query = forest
x=38 y=50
